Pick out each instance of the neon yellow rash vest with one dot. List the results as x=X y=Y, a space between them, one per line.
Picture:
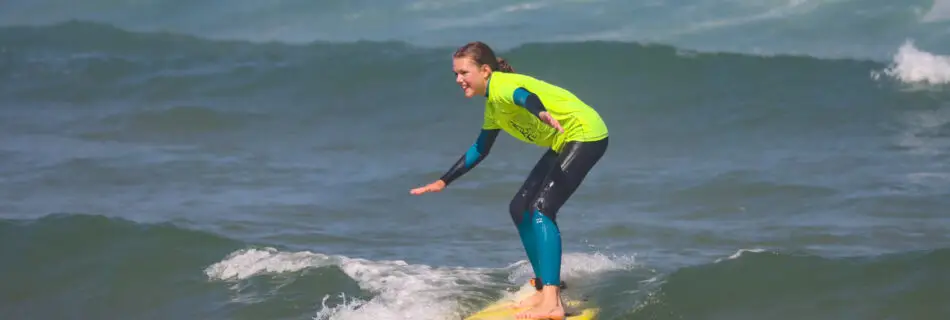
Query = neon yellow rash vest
x=504 y=111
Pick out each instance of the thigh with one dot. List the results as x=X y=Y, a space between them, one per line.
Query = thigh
x=529 y=189
x=574 y=162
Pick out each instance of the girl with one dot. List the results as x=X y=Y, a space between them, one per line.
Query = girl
x=546 y=115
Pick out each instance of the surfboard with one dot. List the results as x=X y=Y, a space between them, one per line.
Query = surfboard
x=502 y=309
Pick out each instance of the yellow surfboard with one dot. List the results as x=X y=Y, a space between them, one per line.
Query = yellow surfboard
x=504 y=310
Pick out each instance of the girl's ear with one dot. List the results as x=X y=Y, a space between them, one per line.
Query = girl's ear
x=486 y=70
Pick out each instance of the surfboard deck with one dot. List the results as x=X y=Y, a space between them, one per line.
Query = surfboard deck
x=502 y=309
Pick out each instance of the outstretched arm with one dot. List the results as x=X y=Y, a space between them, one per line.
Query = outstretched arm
x=469 y=160
x=475 y=154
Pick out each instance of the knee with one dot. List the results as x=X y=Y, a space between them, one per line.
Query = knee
x=547 y=203
x=517 y=207
x=539 y=205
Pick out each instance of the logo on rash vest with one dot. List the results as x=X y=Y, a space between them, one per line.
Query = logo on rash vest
x=524 y=131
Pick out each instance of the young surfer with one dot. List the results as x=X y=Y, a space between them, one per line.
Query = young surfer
x=543 y=114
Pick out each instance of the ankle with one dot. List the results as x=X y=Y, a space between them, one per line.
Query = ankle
x=536 y=283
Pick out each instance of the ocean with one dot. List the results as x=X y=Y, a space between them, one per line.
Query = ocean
x=207 y=159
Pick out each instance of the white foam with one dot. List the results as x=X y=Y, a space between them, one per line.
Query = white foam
x=740 y=253
x=912 y=65
x=400 y=290
x=246 y=263
x=419 y=291
x=403 y=291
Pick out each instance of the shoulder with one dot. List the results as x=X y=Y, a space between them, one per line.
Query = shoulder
x=514 y=80
x=503 y=85
x=512 y=77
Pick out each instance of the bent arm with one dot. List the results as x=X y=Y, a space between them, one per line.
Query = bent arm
x=473 y=156
x=528 y=100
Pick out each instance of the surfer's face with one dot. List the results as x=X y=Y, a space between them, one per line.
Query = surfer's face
x=471 y=77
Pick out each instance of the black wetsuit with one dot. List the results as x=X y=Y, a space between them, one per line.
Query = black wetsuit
x=548 y=186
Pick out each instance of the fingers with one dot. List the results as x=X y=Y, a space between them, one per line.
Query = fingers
x=553 y=122
x=425 y=189
x=549 y=119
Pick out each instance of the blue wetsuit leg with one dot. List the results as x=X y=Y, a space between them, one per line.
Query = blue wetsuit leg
x=534 y=208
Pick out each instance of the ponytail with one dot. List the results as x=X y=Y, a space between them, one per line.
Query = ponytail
x=503 y=65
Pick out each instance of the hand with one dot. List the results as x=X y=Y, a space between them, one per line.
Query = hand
x=547 y=118
x=436 y=186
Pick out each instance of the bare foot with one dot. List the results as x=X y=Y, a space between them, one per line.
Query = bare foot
x=543 y=311
x=550 y=306
x=528 y=302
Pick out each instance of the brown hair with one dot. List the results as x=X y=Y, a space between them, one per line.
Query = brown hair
x=482 y=54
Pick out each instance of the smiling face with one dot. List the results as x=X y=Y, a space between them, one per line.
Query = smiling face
x=471 y=77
